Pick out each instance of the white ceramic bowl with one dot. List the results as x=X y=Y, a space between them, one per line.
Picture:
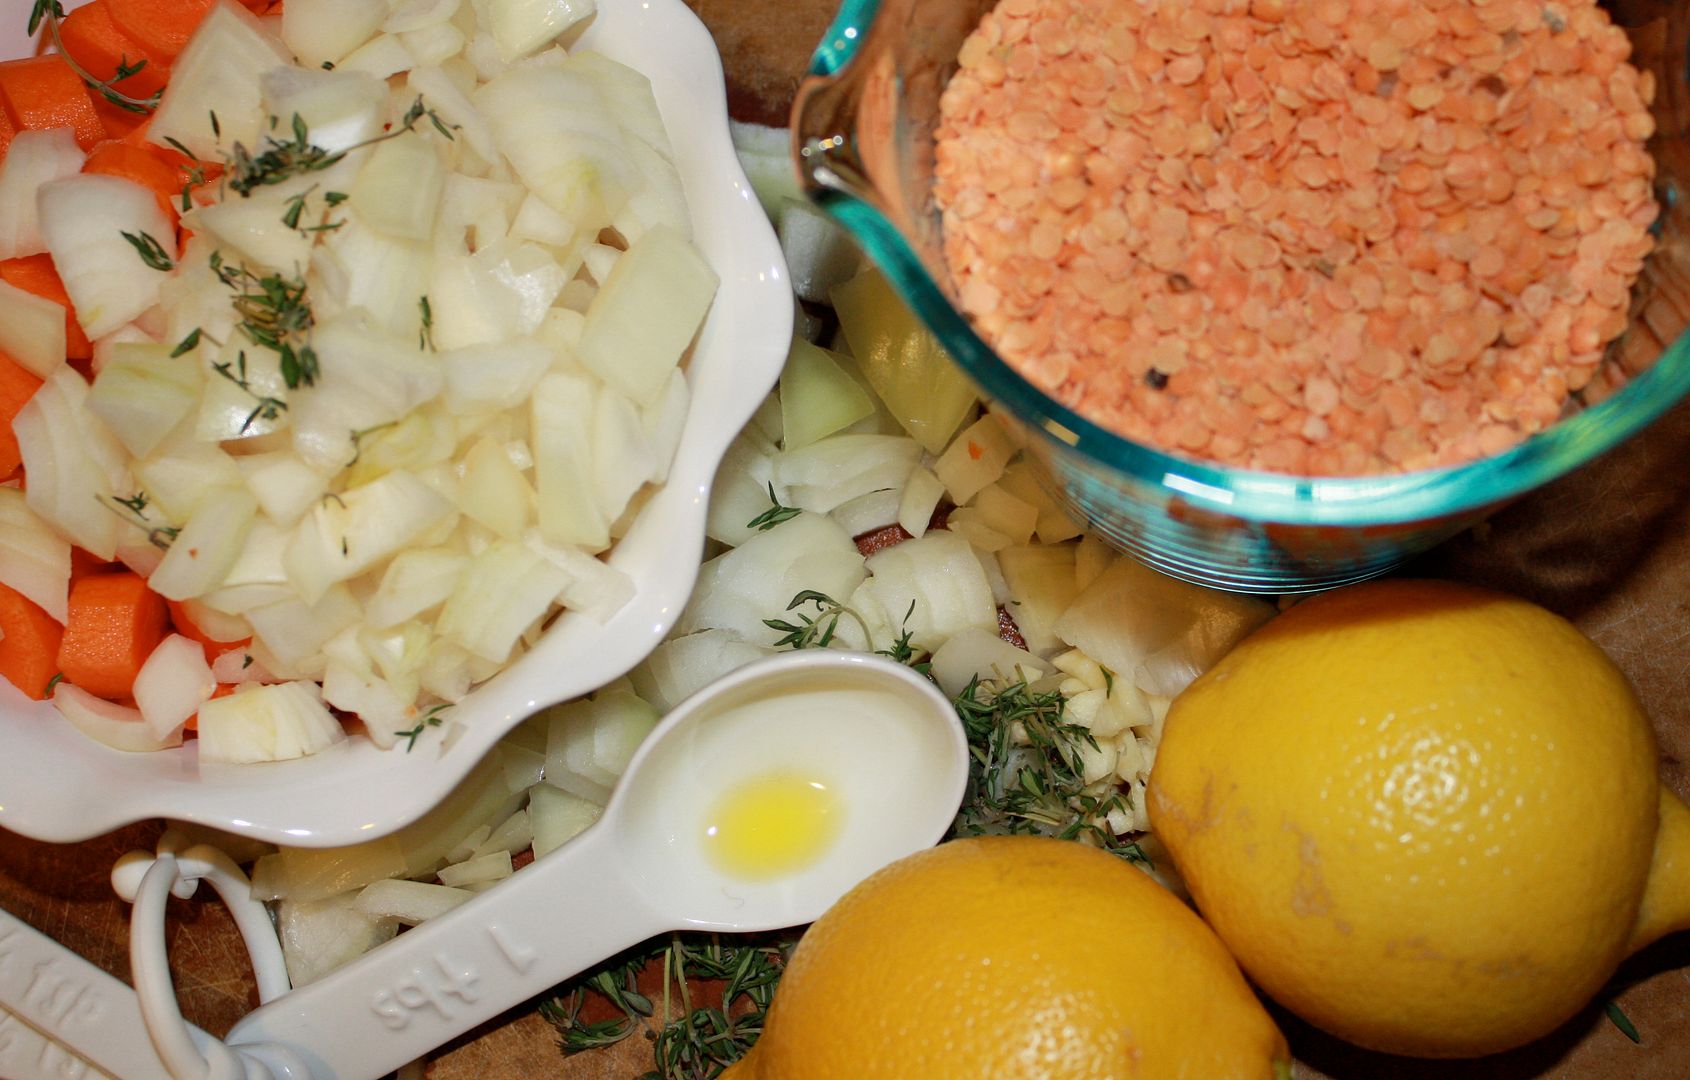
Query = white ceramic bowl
x=57 y=785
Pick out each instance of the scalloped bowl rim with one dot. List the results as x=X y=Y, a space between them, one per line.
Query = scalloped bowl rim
x=57 y=785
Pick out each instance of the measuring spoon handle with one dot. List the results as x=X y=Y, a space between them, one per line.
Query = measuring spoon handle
x=432 y=983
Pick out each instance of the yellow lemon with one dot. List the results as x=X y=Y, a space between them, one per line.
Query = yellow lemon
x=1422 y=816
x=1009 y=958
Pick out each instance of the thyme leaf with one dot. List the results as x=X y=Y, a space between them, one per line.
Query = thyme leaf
x=429 y=719
x=1619 y=1019
x=1025 y=771
x=151 y=251
x=902 y=650
x=187 y=344
x=134 y=510
x=282 y=159
x=706 y=1033
x=267 y=407
x=816 y=633
x=44 y=9
x=425 y=334
x=51 y=12
x=276 y=314
x=296 y=209
x=776 y=514
x=358 y=440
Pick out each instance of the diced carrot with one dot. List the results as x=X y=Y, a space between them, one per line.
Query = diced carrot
x=36 y=274
x=42 y=92
x=137 y=135
x=89 y=37
x=85 y=563
x=117 y=121
x=113 y=625
x=150 y=170
x=17 y=385
x=201 y=175
x=160 y=27
x=184 y=624
x=30 y=649
x=6 y=132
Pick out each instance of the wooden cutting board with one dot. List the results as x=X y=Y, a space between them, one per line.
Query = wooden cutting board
x=1608 y=547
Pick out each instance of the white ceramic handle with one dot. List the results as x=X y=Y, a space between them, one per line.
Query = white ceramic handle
x=433 y=983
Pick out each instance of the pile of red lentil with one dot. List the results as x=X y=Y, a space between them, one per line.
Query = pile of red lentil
x=1325 y=237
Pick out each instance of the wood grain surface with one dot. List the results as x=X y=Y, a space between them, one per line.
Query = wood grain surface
x=1609 y=547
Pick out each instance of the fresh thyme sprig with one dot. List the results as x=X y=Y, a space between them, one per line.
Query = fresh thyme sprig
x=276 y=314
x=816 y=633
x=903 y=651
x=134 y=510
x=615 y=982
x=706 y=1039
x=705 y=1036
x=187 y=344
x=1619 y=1019
x=358 y=439
x=776 y=514
x=281 y=160
x=267 y=407
x=193 y=176
x=425 y=332
x=431 y=718
x=151 y=251
x=1025 y=770
x=50 y=12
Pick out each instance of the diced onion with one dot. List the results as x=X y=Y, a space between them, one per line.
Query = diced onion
x=172 y=684
x=72 y=461
x=118 y=726
x=33 y=158
x=32 y=329
x=203 y=553
x=266 y=723
x=410 y=902
x=34 y=560
x=84 y=220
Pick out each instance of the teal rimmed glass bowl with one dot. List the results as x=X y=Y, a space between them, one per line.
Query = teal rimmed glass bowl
x=863 y=134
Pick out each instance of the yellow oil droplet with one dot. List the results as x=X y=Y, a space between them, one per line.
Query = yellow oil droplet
x=772 y=824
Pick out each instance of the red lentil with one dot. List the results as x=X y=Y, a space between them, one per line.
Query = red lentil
x=1346 y=236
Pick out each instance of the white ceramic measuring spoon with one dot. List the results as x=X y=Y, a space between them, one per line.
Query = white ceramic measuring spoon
x=888 y=743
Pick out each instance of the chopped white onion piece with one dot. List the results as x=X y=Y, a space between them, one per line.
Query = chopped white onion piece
x=173 y=682
x=266 y=723
x=493 y=866
x=409 y=902
x=206 y=549
x=502 y=591
x=118 y=726
x=33 y=158
x=84 y=220
x=213 y=100
x=325 y=31
x=32 y=329
x=74 y=464
x=34 y=559
x=559 y=816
